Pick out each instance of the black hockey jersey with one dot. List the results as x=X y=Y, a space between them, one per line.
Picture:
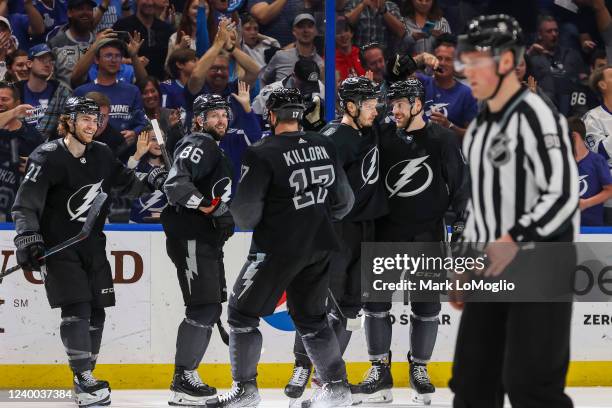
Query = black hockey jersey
x=201 y=172
x=423 y=173
x=359 y=156
x=290 y=191
x=58 y=189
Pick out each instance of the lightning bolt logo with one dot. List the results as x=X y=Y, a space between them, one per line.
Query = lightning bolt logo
x=584 y=185
x=153 y=199
x=90 y=195
x=192 y=265
x=410 y=168
x=227 y=189
x=250 y=272
x=370 y=161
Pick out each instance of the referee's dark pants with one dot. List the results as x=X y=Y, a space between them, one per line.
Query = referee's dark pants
x=519 y=349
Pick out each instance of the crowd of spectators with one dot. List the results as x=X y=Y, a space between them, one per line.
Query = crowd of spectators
x=149 y=59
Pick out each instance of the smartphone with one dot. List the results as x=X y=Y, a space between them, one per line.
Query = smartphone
x=123 y=36
x=429 y=25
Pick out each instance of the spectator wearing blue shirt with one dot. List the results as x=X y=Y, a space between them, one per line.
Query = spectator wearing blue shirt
x=211 y=74
x=237 y=139
x=47 y=97
x=594 y=177
x=86 y=69
x=448 y=102
x=126 y=112
x=53 y=12
x=180 y=65
x=27 y=24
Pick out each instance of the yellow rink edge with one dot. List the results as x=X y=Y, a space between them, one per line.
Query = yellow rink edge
x=271 y=375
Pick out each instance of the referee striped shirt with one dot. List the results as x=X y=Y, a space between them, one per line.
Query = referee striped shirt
x=523 y=173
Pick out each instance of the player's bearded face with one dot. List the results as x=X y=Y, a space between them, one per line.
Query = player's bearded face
x=367 y=112
x=216 y=122
x=402 y=110
x=85 y=127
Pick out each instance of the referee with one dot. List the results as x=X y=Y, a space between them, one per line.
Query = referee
x=524 y=189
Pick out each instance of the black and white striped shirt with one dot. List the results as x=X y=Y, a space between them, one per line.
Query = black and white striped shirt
x=523 y=172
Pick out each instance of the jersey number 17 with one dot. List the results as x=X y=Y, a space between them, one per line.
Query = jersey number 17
x=306 y=185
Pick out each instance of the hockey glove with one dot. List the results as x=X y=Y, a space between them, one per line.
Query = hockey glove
x=219 y=207
x=222 y=220
x=156 y=178
x=314 y=115
x=458 y=228
x=30 y=247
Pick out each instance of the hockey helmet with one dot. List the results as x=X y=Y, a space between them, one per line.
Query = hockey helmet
x=79 y=104
x=494 y=34
x=208 y=102
x=356 y=90
x=411 y=89
x=286 y=103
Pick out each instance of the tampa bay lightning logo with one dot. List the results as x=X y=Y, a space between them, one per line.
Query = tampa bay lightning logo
x=80 y=202
x=155 y=202
x=369 y=167
x=409 y=177
x=223 y=188
x=584 y=185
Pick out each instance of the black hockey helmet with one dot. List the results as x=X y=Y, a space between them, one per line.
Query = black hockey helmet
x=208 y=102
x=286 y=103
x=494 y=34
x=79 y=104
x=399 y=67
x=356 y=90
x=411 y=89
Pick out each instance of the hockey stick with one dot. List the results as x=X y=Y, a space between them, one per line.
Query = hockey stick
x=349 y=320
x=162 y=146
x=92 y=216
x=162 y=143
x=223 y=333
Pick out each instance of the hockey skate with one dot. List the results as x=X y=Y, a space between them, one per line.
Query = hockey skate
x=188 y=389
x=89 y=391
x=242 y=394
x=333 y=394
x=422 y=388
x=377 y=385
x=295 y=388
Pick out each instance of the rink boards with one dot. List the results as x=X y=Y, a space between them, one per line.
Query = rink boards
x=139 y=336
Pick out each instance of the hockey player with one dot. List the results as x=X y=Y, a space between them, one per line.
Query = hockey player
x=197 y=223
x=524 y=188
x=63 y=178
x=423 y=172
x=289 y=178
x=357 y=145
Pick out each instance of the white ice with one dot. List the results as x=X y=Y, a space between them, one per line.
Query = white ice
x=586 y=397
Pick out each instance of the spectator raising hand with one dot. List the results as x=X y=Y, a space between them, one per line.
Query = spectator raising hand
x=243 y=96
x=142 y=145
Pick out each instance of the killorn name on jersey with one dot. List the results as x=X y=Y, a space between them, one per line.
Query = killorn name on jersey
x=304 y=155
